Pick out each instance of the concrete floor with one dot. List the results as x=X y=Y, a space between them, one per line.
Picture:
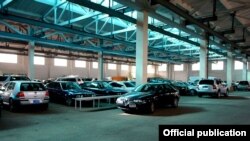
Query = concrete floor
x=62 y=123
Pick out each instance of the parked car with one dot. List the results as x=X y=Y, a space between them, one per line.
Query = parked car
x=146 y=97
x=192 y=88
x=243 y=85
x=212 y=88
x=6 y=78
x=65 y=91
x=20 y=93
x=123 y=85
x=71 y=79
x=101 y=88
x=183 y=88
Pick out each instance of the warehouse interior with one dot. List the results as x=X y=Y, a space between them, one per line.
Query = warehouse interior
x=177 y=40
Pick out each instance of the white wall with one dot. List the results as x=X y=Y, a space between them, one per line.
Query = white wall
x=50 y=71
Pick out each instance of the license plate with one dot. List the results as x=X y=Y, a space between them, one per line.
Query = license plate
x=132 y=105
x=36 y=101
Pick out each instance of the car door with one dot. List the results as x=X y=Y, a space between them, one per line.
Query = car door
x=8 y=91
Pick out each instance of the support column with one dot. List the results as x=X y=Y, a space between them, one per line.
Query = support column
x=244 y=71
x=100 y=65
x=141 y=47
x=170 y=71
x=230 y=64
x=203 y=73
x=31 y=54
x=156 y=73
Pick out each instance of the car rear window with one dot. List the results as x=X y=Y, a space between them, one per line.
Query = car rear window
x=244 y=83
x=32 y=87
x=15 y=78
x=3 y=78
x=210 y=82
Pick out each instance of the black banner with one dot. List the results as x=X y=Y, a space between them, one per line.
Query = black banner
x=204 y=132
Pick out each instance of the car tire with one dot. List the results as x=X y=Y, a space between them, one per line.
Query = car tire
x=175 y=103
x=12 y=106
x=199 y=95
x=193 y=92
x=226 y=94
x=151 y=107
x=69 y=101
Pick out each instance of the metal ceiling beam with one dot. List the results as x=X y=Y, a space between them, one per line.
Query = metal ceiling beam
x=172 y=7
x=70 y=46
x=60 y=28
x=114 y=13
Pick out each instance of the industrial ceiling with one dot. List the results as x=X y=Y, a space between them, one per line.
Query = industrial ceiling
x=82 y=28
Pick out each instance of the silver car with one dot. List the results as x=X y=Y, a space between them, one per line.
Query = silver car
x=19 y=93
x=212 y=88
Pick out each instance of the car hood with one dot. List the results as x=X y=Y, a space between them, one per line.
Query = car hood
x=137 y=95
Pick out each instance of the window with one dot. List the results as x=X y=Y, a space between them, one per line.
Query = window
x=178 y=67
x=238 y=65
x=60 y=62
x=196 y=66
x=112 y=66
x=80 y=64
x=218 y=65
x=8 y=58
x=124 y=67
x=162 y=67
x=151 y=69
x=95 y=65
x=133 y=71
x=39 y=60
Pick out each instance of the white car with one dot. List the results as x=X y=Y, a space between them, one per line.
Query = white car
x=123 y=85
x=212 y=88
x=20 y=93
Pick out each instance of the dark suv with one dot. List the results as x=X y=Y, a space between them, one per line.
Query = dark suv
x=147 y=96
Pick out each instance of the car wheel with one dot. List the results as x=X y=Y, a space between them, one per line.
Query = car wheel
x=219 y=94
x=69 y=101
x=175 y=103
x=152 y=107
x=12 y=106
x=193 y=92
x=226 y=94
x=199 y=95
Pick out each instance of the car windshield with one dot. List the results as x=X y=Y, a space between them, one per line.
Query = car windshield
x=127 y=84
x=70 y=86
x=104 y=85
x=3 y=78
x=210 y=82
x=32 y=87
x=143 y=88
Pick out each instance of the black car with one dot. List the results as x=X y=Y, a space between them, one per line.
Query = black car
x=65 y=91
x=101 y=88
x=146 y=97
